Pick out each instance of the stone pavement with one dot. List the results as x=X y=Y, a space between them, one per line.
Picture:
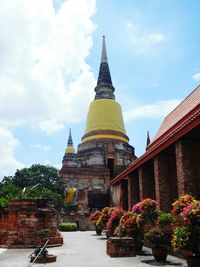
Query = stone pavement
x=84 y=249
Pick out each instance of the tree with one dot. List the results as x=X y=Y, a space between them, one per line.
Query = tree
x=38 y=181
x=45 y=176
x=8 y=191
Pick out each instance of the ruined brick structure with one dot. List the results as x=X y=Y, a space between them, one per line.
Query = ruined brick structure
x=22 y=220
x=104 y=150
x=171 y=164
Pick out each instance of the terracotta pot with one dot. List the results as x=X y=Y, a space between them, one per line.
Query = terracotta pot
x=160 y=253
x=139 y=245
x=98 y=231
x=193 y=261
x=107 y=232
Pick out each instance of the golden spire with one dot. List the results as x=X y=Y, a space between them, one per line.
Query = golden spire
x=104 y=119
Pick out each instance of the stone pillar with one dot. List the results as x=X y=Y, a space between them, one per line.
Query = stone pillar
x=146 y=182
x=136 y=195
x=130 y=191
x=133 y=189
x=162 y=182
x=124 y=194
x=188 y=162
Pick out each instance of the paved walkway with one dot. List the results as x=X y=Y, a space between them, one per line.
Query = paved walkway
x=84 y=249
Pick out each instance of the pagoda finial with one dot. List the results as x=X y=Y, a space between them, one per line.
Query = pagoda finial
x=104 y=88
x=70 y=148
x=104 y=58
x=70 y=142
x=148 y=139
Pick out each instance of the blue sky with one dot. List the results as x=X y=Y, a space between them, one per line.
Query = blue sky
x=50 y=55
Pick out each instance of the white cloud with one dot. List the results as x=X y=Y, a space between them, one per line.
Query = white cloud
x=45 y=81
x=142 y=40
x=8 y=145
x=196 y=77
x=39 y=146
x=43 y=73
x=158 y=110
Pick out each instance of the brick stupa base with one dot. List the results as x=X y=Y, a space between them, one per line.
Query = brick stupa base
x=121 y=247
x=21 y=221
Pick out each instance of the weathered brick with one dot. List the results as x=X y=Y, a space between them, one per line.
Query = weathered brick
x=19 y=226
x=121 y=247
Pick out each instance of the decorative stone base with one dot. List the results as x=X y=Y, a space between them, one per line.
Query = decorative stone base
x=44 y=259
x=121 y=247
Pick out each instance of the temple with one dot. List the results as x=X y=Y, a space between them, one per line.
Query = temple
x=104 y=151
x=170 y=167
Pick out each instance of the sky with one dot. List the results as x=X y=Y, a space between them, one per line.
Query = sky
x=50 y=55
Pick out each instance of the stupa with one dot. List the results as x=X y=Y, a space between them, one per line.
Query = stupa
x=103 y=153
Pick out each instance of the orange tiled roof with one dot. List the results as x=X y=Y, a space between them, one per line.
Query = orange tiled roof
x=188 y=104
x=176 y=124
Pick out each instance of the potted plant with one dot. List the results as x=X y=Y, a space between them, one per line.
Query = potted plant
x=148 y=208
x=155 y=237
x=40 y=254
x=147 y=213
x=165 y=223
x=132 y=226
x=103 y=218
x=94 y=218
x=114 y=220
x=128 y=224
x=186 y=228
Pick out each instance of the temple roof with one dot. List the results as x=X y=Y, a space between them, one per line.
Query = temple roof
x=184 y=118
x=188 y=104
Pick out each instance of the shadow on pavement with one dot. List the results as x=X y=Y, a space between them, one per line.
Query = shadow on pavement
x=144 y=253
x=102 y=238
x=155 y=263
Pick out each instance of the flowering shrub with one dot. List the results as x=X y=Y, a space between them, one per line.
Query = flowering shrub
x=165 y=218
x=95 y=216
x=182 y=202
x=191 y=213
x=165 y=222
x=114 y=219
x=128 y=223
x=154 y=236
x=104 y=217
x=147 y=208
x=181 y=238
x=187 y=224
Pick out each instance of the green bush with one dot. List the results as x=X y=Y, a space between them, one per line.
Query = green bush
x=44 y=233
x=67 y=227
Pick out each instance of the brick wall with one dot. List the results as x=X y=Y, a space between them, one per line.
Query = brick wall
x=21 y=221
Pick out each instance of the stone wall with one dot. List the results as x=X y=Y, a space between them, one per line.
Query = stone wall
x=22 y=220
